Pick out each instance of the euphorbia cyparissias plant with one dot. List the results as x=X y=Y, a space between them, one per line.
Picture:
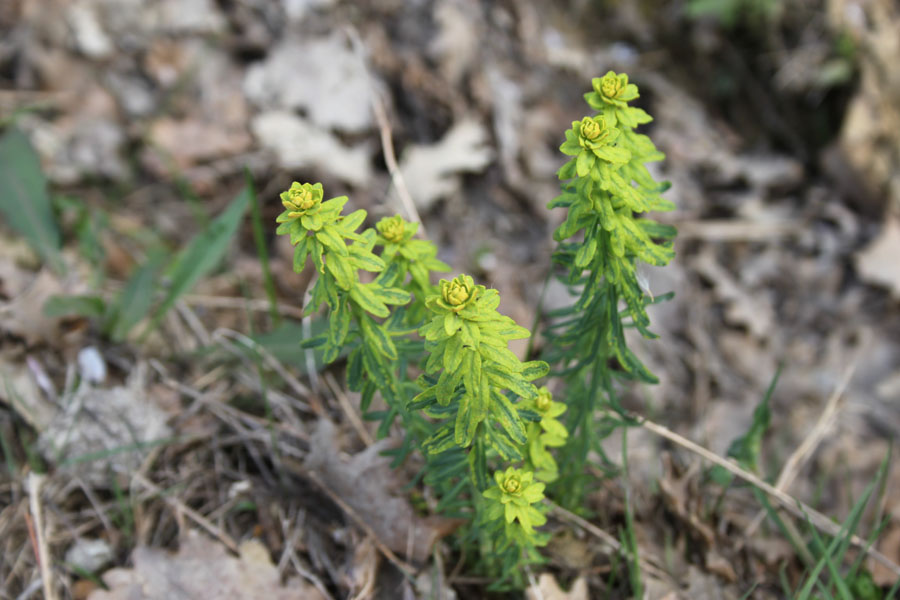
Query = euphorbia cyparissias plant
x=439 y=355
x=606 y=190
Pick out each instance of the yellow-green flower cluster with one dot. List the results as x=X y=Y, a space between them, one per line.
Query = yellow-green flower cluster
x=301 y=198
x=549 y=432
x=593 y=141
x=514 y=494
x=614 y=88
x=395 y=230
x=610 y=97
x=457 y=294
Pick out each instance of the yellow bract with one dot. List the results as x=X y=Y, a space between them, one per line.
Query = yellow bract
x=512 y=485
x=300 y=198
x=393 y=229
x=544 y=400
x=596 y=131
x=612 y=85
x=459 y=291
x=590 y=128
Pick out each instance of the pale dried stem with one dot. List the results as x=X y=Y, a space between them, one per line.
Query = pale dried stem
x=605 y=537
x=348 y=409
x=387 y=142
x=794 y=506
x=35 y=482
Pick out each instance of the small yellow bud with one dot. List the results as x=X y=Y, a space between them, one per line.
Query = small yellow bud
x=393 y=229
x=612 y=85
x=544 y=400
x=590 y=128
x=512 y=485
x=459 y=291
x=300 y=198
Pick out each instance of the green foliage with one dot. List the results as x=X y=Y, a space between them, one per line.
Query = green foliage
x=474 y=408
x=467 y=343
x=730 y=13
x=471 y=408
x=143 y=296
x=606 y=191
x=24 y=201
x=746 y=448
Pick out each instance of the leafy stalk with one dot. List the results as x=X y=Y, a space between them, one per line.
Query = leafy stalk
x=606 y=190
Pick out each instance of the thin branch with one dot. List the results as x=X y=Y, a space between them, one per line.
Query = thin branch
x=603 y=536
x=348 y=409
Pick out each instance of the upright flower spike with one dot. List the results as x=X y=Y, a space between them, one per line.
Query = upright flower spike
x=468 y=344
x=601 y=242
x=319 y=229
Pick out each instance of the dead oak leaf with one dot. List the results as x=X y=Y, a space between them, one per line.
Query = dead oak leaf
x=202 y=569
x=548 y=589
x=367 y=485
x=877 y=263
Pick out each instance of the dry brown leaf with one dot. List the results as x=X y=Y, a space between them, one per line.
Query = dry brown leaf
x=870 y=134
x=365 y=482
x=24 y=315
x=202 y=569
x=432 y=172
x=548 y=589
x=878 y=262
x=754 y=311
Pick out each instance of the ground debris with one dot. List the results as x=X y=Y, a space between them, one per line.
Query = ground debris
x=367 y=484
x=878 y=262
x=202 y=569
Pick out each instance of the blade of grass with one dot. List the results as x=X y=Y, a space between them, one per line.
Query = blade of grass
x=789 y=532
x=836 y=577
x=841 y=541
x=23 y=197
x=261 y=250
x=629 y=539
x=84 y=306
x=200 y=256
x=9 y=458
x=893 y=591
x=136 y=298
